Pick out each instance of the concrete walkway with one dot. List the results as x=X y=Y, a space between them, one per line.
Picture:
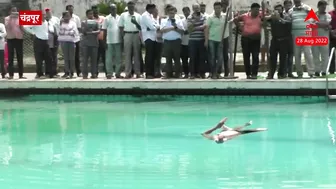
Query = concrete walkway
x=195 y=84
x=29 y=64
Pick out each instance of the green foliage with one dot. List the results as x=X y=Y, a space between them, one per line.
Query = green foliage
x=105 y=10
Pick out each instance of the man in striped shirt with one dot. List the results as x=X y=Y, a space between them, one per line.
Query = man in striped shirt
x=298 y=15
x=197 y=50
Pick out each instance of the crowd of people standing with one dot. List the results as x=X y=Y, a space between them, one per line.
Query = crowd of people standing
x=193 y=43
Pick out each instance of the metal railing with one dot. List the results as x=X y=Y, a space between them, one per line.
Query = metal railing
x=332 y=55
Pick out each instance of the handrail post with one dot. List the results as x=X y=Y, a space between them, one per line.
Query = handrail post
x=332 y=54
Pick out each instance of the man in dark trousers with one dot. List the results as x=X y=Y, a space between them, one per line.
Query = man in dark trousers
x=290 y=53
x=101 y=49
x=77 y=20
x=197 y=50
x=15 y=42
x=41 y=48
x=53 y=26
x=149 y=28
x=280 y=43
x=172 y=30
x=250 y=39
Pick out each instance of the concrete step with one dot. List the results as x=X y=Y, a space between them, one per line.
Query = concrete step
x=31 y=68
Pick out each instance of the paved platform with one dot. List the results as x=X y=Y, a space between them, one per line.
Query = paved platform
x=305 y=86
x=29 y=64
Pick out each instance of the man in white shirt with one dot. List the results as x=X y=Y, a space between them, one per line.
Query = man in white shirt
x=226 y=42
x=172 y=30
x=112 y=39
x=185 y=43
x=158 y=45
x=129 y=24
x=148 y=30
x=53 y=26
x=77 y=20
x=203 y=10
x=41 y=47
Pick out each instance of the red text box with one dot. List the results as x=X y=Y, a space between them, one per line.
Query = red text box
x=311 y=41
x=30 y=18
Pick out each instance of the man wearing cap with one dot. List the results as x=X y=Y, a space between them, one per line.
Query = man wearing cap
x=41 y=47
x=53 y=26
x=101 y=49
x=321 y=53
x=281 y=40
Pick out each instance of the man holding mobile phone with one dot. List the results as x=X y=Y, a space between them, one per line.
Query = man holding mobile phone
x=172 y=30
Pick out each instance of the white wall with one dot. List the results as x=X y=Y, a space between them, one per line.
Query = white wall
x=58 y=6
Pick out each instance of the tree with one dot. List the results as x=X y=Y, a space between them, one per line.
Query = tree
x=105 y=10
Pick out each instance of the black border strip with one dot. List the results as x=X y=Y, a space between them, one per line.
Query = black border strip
x=142 y=92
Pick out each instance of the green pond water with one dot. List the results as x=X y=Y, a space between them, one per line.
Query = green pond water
x=123 y=142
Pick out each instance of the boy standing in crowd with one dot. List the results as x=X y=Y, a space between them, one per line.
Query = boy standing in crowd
x=90 y=30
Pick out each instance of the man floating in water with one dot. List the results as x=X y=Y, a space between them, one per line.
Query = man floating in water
x=228 y=133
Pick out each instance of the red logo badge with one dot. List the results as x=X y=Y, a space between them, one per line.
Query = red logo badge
x=312 y=38
x=30 y=18
x=311 y=15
